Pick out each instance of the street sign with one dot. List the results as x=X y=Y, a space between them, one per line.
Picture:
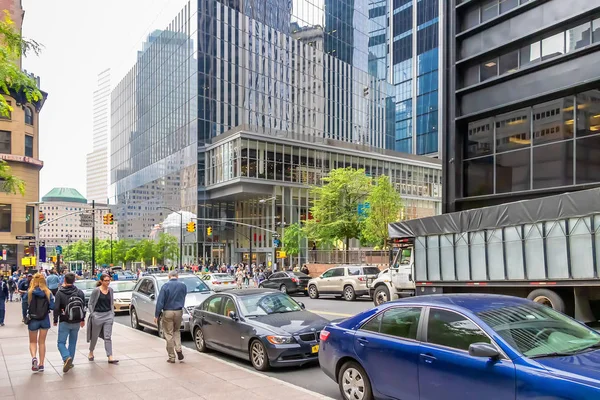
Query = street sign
x=58 y=250
x=25 y=237
x=280 y=254
x=276 y=242
x=86 y=220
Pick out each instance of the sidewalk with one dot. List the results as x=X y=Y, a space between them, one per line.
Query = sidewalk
x=142 y=373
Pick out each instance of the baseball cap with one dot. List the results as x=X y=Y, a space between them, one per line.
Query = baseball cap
x=29 y=275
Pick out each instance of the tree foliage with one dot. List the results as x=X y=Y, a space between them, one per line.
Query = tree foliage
x=125 y=251
x=292 y=239
x=335 y=209
x=384 y=208
x=10 y=183
x=12 y=79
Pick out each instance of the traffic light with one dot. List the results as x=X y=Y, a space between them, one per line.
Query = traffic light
x=191 y=227
x=105 y=219
x=209 y=231
x=111 y=218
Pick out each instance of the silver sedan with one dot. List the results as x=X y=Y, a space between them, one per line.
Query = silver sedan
x=219 y=282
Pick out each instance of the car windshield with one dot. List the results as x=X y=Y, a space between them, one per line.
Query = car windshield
x=122 y=286
x=539 y=331
x=267 y=303
x=192 y=282
x=83 y=285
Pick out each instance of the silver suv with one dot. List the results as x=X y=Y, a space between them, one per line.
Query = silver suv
x=348 y=281
x=145 y=293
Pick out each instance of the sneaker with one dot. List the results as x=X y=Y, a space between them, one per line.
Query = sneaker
x=34 y=364
x=67 y=364
x=171 y=361
x=41 y=368
x=1 y=323
x=180 y=355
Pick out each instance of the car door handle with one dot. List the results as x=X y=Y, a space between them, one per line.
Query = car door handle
x=428 y=358
x=219 y=323
x=362 y=341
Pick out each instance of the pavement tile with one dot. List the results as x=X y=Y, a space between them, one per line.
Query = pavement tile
x=104 y=392
x=147 y=384
x=174 y=370
x=237 y=395
x=137 y=376
x=254 y=382
x=167 y=393
x=6 y=391
x=279 y=391
x=236 y=375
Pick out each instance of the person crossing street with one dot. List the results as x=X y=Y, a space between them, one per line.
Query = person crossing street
x=3 y=300
x=69 y=309
x=169 y=304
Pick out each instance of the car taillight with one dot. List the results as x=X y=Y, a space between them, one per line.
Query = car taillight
x=362 y=278
x=324 y=335
x=295 y=280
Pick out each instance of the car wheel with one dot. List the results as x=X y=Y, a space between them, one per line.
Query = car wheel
x=283 y=289
x=135 y=323
x=349 y=293
x=354 y=382
x=258 y=356
x=313 y=293
x=199 y=340
x=381 y=295
x=260 y=286
x=161 y=333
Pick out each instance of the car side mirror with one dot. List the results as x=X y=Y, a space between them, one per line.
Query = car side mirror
x=483 y=350
x=152 y=297
x=301 y=304
x=233 y=315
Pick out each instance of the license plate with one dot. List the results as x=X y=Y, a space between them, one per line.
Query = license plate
x=315 y=348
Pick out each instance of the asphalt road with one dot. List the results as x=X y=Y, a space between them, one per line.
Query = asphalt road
x=310 y=377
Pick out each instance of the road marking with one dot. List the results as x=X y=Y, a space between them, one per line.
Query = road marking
x=332 y=313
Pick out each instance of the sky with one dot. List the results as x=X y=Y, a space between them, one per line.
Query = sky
x=81 y=39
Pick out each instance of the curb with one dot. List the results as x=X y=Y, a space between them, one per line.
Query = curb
x=251 y=371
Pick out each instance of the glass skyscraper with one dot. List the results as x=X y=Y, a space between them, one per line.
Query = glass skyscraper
x=238 y=107
x=415 y=27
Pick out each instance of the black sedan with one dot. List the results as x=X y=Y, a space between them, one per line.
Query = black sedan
x=265 y=326
x=287 y=282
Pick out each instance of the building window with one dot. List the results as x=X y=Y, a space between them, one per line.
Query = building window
x=28 y=146
x=28 y=116
x=5 y=147
x=5 y=217
x=29 y=219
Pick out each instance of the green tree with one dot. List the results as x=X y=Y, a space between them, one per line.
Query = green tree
x=10 y=183
x=120 y=248
x=292 y=239
x=167 y=248
x=335 y=208
x=384 y=208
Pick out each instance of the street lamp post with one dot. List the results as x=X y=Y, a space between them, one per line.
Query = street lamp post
x=180 y=233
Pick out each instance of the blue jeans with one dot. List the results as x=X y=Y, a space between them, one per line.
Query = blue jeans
x=2 y=310
x=66 y=331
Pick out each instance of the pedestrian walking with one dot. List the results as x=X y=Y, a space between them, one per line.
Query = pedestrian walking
x=12 y=287
x=69 y=315
x=39 y=302
x=101 y=317
x=4 y=293
x=53 y=282
x=169 y=304
x=240 y=277
x=23 y=288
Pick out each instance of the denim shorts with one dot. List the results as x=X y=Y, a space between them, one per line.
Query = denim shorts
x=35 y=324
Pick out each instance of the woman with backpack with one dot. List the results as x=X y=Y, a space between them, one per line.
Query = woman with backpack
x=40 y=301
x=101 y=317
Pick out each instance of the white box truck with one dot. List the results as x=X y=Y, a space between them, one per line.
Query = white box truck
x=545 y=249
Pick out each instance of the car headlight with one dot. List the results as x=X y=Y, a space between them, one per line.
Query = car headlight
x=280 y=339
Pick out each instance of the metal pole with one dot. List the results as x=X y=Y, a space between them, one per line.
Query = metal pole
x=111 y=251
x=251 y=238
x=180 y=239
x=93 y=238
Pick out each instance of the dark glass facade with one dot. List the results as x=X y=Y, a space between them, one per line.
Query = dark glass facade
x=294 y=76
x=415 y=74
x=523 y=100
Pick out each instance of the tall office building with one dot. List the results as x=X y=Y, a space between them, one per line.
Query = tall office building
x=237 y=108
x=415 y=58
x=522 y=100
x=97 y=160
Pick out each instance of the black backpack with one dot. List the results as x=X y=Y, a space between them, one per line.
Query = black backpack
x=74 y=309
x=38 y=308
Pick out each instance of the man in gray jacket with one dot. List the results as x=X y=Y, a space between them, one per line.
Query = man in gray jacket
x=170 y=303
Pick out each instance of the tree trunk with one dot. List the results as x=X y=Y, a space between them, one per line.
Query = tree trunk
x=347 y=250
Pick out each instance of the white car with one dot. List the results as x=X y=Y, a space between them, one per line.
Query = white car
x=122 y=294
x=219 y=281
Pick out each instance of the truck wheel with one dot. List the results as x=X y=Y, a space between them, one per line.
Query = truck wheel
x=381 y=295
x=548 y=298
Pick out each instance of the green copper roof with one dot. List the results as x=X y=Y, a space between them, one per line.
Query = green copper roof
x=67 y=195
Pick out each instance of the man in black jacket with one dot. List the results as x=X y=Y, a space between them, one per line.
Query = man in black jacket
x=69 y=308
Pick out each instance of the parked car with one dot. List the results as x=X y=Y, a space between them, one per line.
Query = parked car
x=348 y=281
x=218 y=281
x=145 y=293
x=287 y=282
x=86 y=286
x=265 y=326
x=462 y=346
x=122 y=291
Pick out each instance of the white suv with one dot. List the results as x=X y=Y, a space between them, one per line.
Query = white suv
x=145 y=293
x=348 y=281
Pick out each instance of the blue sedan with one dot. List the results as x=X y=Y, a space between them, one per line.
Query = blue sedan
x=463 y=346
